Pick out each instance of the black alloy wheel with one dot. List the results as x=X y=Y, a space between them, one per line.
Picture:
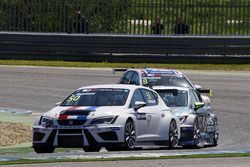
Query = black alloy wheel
x=129 y=135
x=197 y=135
x=173 y=135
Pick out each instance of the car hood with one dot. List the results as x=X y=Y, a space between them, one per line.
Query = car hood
x=94 y=111
x=180 y=111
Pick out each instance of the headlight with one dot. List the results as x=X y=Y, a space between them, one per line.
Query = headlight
x=46 y=122
x=104 y=120
x=182 y=119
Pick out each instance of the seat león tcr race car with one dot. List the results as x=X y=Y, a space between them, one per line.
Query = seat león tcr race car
x=150 y=77
x=155 y=77
x=198 y=122
x=112 y=116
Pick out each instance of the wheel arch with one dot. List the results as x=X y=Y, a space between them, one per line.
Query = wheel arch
x=130 y=119
x=190 y=119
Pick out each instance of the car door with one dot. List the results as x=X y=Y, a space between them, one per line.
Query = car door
x=141 y=116
x=153 y=113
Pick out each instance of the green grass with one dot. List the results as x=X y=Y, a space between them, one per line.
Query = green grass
x=127 y=158
x=236 y=67
x=15 y=118
x=16 y=149
x=27 y=148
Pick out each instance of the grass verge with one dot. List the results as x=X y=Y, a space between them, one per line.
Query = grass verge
x=27 y=148
x=236 y=67
x=16 y=118
x=126 y=158
x=16 y=149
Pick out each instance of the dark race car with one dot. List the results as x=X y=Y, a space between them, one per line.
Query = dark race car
x=199 y=126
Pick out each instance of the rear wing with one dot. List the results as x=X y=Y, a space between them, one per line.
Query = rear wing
x=208 y=91
x=119 y=70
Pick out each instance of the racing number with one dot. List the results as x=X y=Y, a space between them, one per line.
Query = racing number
x=73 y=98
x=144 y=81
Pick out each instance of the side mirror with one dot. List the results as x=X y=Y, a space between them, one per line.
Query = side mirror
x=58 y=103
x=139 y=104
x=198 y=105
x=197 y=87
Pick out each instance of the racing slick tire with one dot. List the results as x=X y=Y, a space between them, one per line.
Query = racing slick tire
x=173 y=135
x=92 y=148
x=197 y=135
x=129 y=138
x=129 y=135
x=42 y=149
x=216 y=134
x=215 y=139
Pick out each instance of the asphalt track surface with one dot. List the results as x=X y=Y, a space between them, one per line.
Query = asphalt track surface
x=208 y=162
x=38 y=89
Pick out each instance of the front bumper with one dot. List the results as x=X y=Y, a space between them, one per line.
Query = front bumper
x=187 y=135
x=207 y=138
x=75 y=136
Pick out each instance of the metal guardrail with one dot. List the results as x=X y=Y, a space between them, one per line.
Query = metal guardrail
x=106 y=47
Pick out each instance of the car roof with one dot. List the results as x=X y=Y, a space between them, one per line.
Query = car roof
x=158 y=71
x=115 y=86
x=170 y=87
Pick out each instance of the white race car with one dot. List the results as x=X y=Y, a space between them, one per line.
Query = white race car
x=112 y=116
x=199 y=125
x=150 y=77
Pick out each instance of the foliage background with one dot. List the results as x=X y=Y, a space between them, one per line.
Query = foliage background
x=126 y=16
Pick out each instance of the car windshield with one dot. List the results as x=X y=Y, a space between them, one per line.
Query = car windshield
x=97 y=97
x=165 y=80
x=174 y=97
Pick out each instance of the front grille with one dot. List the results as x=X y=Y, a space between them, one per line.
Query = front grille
x=75 y=112
x=70 y=122
x=69 y=131
x=187 y=132
x=70 y=141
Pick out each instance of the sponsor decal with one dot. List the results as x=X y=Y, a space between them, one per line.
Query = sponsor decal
x=141 y=116
x=115 y=128
x=160 y=71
